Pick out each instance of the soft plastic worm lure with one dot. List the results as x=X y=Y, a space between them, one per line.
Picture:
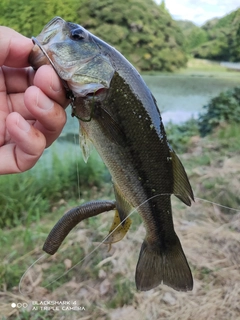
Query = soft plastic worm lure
x=71 y=219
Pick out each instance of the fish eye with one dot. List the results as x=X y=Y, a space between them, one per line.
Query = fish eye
x=77 y=34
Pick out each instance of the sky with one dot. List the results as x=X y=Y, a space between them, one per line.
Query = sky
x=199 y=11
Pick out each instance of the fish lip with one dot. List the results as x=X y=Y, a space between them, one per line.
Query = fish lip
x=35 y=41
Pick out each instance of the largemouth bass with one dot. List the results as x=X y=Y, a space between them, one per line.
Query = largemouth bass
x=119 y=116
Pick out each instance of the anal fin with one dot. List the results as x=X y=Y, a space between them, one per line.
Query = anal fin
x=118 y=230
x=121 y=222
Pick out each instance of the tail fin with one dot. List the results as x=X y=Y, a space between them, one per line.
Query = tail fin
x=169 y=267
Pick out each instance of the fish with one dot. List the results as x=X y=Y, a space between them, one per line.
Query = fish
x=119 y=115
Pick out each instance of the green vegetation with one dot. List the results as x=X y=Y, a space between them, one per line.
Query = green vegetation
x=25 y=197
x=218 y=39
x=144 y=32
x=222 y=113
x=223 y=39
x=194 y=35
x=204 y=66
x=222 y=109
x=141 y=30
x=180 y=135
x=29 y=17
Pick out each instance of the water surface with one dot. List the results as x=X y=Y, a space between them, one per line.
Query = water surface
x=181 y=96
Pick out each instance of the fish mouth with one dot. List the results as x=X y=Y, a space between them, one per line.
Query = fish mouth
x=88 y=87
x=39 y=56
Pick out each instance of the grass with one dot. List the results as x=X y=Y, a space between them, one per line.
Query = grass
x=24 y=198
x=203 y=66
x=200 y=67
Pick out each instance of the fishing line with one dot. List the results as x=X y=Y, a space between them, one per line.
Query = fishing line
x=78 y=171
x=28 y=269
x=90 y=253
x=217 y=204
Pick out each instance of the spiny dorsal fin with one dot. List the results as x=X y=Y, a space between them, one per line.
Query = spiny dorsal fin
x=181 y=186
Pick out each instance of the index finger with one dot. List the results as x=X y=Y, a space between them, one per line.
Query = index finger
x=15 y=48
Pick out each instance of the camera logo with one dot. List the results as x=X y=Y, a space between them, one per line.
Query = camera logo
x=19 y=305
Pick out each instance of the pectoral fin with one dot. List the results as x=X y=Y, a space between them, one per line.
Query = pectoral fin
x=181 y=186
x=113 y=129
x=85 y=144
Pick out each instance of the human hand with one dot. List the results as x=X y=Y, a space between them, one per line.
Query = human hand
x=31 y=105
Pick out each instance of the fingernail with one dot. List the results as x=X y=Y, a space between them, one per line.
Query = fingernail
x=23 y=124
x=44 y=102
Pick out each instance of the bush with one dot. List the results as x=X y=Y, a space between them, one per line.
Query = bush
x=224 y=108
x=179 y=135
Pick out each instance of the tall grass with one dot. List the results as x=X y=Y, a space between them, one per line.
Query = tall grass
x=25 y=197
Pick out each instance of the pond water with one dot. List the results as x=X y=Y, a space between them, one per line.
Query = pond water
x=179 y=98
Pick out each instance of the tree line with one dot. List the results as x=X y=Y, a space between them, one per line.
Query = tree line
x=141 y=30
x=217 y=39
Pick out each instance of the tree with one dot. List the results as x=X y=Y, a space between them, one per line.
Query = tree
x=223 y=39
x=29 y=17
x=144 y=32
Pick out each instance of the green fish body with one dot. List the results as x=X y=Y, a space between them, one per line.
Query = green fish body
x=119 y=115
